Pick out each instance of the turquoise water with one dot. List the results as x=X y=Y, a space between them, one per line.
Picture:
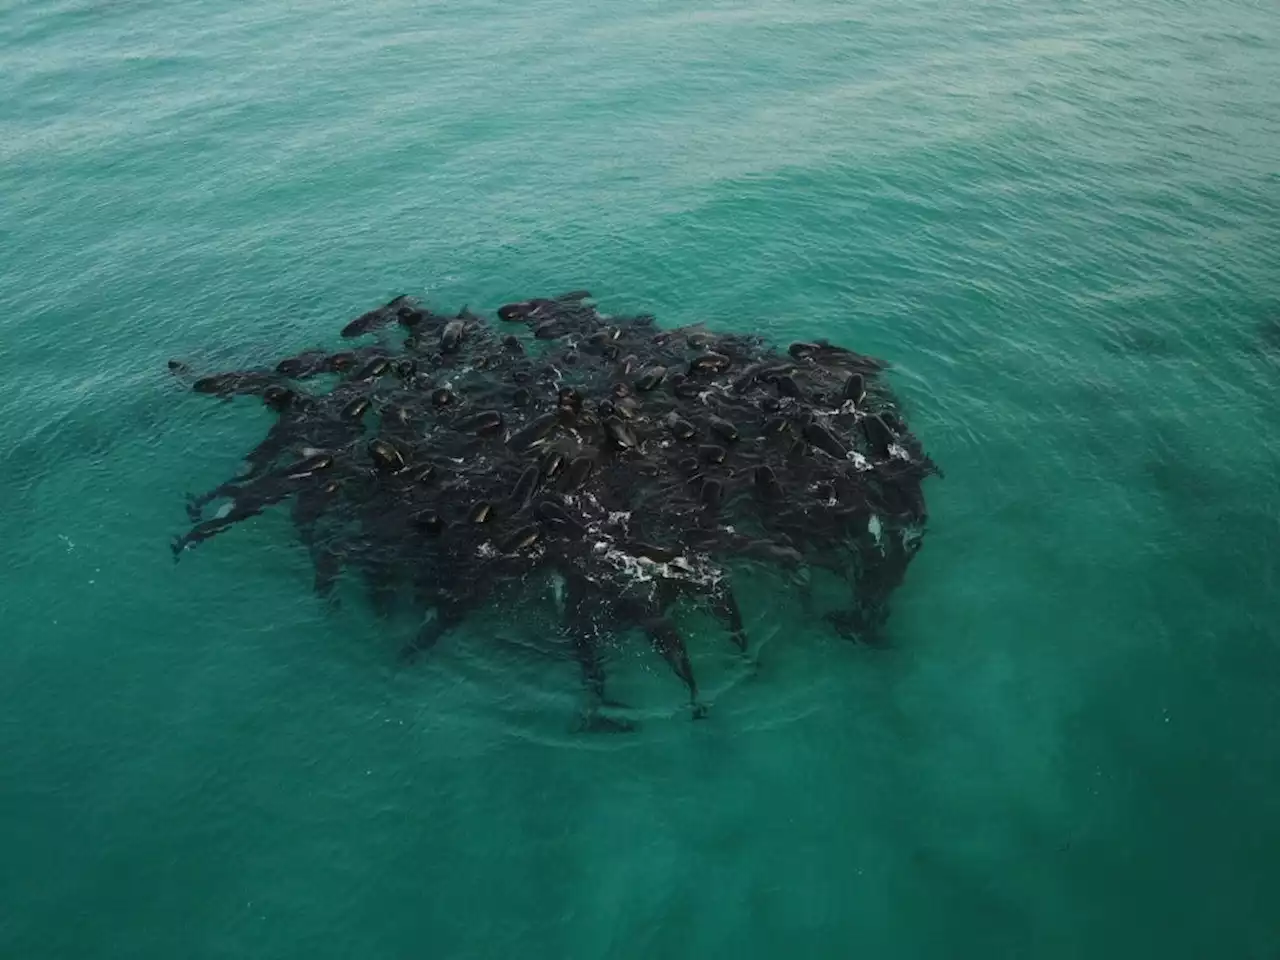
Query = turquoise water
x=1060 y=221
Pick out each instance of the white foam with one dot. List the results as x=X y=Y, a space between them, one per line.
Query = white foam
x=643 y=570
x=631 y=567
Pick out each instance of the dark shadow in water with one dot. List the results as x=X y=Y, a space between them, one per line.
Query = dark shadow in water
x=84 y=439
x=1268 y=332
x=1142 y=341
x=1178 y=472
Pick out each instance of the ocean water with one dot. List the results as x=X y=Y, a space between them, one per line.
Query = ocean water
x=1059 y=220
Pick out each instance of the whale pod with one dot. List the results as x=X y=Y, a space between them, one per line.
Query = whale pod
x=625 y=466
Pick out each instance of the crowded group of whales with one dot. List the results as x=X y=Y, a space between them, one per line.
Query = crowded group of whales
x=454 y=458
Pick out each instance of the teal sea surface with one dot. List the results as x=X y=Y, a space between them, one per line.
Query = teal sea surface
x=1059 y=220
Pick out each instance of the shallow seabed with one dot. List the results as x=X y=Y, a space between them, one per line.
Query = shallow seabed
x=1060 y=221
